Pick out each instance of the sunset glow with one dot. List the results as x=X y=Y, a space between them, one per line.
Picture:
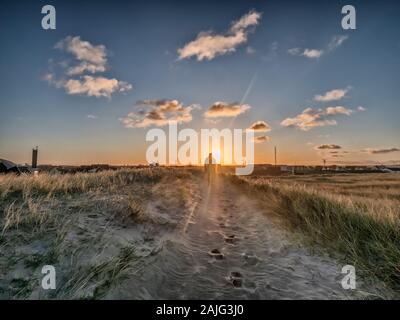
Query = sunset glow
x=93 y=95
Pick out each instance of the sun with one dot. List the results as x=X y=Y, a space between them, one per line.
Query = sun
x=216 y=154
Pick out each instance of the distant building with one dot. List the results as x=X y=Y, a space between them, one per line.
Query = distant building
x=7 y=166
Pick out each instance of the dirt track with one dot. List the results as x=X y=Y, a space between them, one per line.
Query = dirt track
x=228 y=248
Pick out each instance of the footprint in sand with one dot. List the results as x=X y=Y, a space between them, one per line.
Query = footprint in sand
x=250 y=259
x=231 y=239
x=215 y=253
x=236 y=279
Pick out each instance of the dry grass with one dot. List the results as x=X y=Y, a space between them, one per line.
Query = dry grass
x=355 y=216
x=373 y=186
x=85 y=224
x=49 y=185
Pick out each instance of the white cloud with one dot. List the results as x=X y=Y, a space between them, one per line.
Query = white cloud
x=309 y=53
x=92 y=116
x=85 y=66
x=160 y=114
x=337 y=41
x=338 y=110
x=91 y=59
x=295 y=51
x=312 y=53
x=208 y=45
x=95 y=86
x=250 y=19
x=332 y=95
x=51 y=80
x=360 y=108
x=223 y=109
x=83 y=50
x=311 y=118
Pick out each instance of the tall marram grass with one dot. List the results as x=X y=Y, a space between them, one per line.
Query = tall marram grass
x=83 y=224
x=364 y=234
x=58 y=184
x=26 y=200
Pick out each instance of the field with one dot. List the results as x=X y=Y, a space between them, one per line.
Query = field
x=166 y=233
x=92 y=226
x=354 y=215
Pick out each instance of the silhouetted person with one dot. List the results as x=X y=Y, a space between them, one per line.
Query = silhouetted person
x=210 y=166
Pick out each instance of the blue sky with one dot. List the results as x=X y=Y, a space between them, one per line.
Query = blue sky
x=140 y=43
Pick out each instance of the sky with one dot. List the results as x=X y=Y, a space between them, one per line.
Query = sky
x=89 y=91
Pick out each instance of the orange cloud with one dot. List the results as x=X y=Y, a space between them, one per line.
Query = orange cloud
x=223 y=109
x=260 y=126
x=161 y=113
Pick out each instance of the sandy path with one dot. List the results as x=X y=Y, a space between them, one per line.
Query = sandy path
x=256 y=261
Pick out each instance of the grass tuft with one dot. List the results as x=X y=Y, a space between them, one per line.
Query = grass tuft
x=366 y=236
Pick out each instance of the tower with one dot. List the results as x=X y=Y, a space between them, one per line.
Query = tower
x=34 y=157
